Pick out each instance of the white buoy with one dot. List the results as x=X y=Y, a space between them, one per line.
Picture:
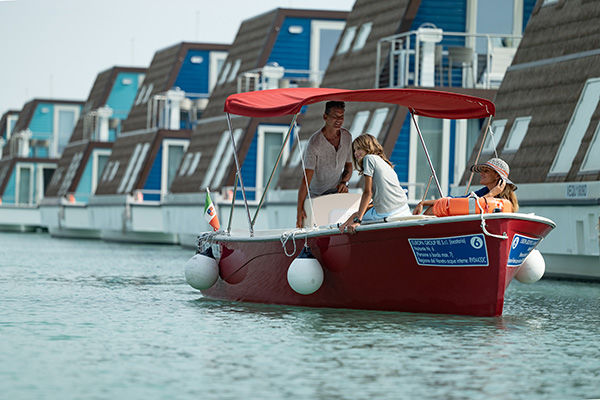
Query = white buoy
x=532 y=268
x=305 y=274
x=202 y=271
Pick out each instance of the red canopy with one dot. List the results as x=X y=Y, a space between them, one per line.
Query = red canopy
x=428 y=103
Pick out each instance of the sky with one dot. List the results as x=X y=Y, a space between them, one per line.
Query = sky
x=56 y=48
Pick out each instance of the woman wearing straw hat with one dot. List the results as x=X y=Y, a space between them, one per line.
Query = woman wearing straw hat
x=494 y=177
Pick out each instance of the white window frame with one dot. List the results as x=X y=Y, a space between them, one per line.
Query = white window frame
x=95 y=155
x=57 y=109
x=113 y=173
x=260 y=150
x=148 y=93
x=71 y=171
x=165 y=161
x=442 y=175
x=297 y=155
x=130 y=164
x=347 y=39
x=39 y=181
x=213 y=73
x=141 y=94
x=582 y=116
x=9 y=129
x=549 y=2
x=107 y=171
x=18 y=182
x=315 y=39
x=460 y=148
x=234 y=70
x=210 y=172
x=225 y=73
x=498 y=126
x=375 y=118
x=226 y=160
x=362 y=36
x=509 y=146
x=363 y=122
x=138 y=167
x=194 y=163
x=187 y=159
x=592 y=154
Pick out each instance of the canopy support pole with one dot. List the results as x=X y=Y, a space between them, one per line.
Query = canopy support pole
x=264 y=193
x=239 y=173
x=487 y=127
x=232 y=202
x=437 y=183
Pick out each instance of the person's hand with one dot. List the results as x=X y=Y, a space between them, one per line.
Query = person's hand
x=300 y=217
x=418 y=209
x=342 y=188
x=352 y=228
x=349 y=222
x=499 y=188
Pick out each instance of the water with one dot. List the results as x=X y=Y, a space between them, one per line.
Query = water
x=95 y=320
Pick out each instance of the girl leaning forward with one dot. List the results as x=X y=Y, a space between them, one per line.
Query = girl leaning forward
x=381 y=184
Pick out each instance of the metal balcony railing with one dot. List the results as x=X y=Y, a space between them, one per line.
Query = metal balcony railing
x=163 y=113
x=429 y=57
x=274 y=77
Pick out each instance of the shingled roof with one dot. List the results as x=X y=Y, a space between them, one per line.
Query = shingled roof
x=557 y=55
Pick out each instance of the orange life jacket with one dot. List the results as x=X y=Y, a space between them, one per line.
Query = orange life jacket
x=447 y=206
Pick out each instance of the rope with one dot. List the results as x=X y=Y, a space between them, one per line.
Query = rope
x=286 y=236
x=485 y=231
x=205 y=239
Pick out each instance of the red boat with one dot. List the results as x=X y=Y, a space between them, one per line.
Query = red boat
x=449 y=265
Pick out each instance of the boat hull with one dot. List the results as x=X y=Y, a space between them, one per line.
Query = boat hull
x=394 y=266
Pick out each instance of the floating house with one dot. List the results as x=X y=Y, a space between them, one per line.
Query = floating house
x=82 y=165
x=547 y=127
x=444 y=45
x=280 y=48
x=30 y=156
x=152 y=141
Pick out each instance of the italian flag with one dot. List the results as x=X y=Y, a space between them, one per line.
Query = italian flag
x=210 y=214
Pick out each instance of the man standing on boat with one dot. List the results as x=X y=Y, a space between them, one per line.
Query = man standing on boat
x=328 y=159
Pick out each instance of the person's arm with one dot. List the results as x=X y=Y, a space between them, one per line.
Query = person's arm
x=342 y=187
x=419 y=208
x=365 y=199
x=302 y=192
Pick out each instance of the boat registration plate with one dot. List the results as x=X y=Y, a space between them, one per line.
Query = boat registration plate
x=452 y=251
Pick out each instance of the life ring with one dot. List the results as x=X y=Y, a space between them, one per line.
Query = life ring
x=447 y=206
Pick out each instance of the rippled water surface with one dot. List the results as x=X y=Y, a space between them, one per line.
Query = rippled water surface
x=95 y=320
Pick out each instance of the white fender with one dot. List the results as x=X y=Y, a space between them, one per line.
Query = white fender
x=532 y=269
x=201 y=271
x=305 y=274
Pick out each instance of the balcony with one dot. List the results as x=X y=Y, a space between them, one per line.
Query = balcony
x=429 y=57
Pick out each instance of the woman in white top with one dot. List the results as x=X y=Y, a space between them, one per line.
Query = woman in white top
x=381 y=184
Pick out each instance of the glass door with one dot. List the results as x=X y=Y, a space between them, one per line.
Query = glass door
x=24 y=184
x=324 y=38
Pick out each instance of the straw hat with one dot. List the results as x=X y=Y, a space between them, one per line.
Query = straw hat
x=498 y=165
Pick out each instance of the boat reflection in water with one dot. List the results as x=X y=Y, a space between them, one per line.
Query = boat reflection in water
x=451 y=265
